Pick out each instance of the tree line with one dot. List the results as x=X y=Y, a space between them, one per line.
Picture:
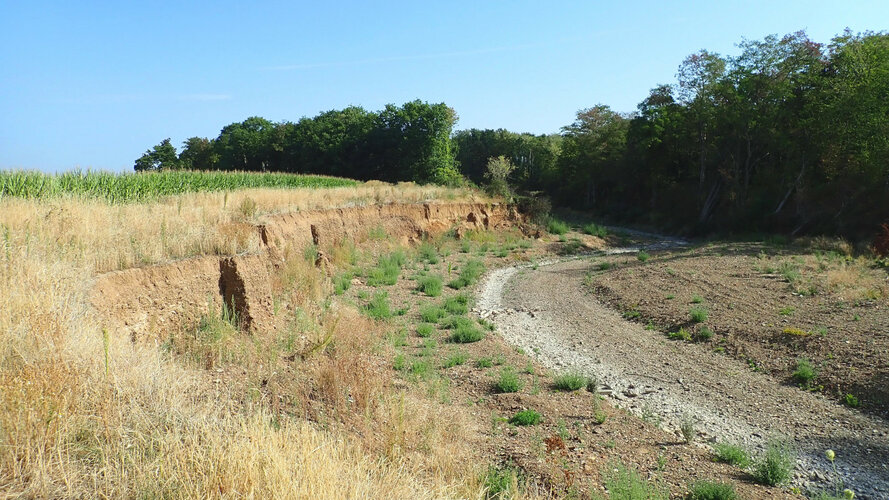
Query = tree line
x=790 y=135
x=410 y=142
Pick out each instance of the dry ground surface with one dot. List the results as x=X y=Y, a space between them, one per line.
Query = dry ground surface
x=612 y=315
x=371 y=383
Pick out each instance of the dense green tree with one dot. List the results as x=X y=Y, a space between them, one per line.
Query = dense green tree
x=160 y=157
x=198 y=154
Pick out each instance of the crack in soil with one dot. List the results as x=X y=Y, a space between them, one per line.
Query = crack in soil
x=546 y=311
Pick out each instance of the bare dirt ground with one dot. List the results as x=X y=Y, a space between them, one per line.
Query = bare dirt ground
x=551 y=311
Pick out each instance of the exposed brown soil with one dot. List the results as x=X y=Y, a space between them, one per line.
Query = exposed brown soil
x=158 y=300
x=757 y=317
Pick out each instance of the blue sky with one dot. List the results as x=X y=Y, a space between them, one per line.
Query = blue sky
x=94 y=84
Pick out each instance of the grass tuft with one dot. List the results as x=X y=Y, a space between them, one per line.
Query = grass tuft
x=775 y=466
x=430 y=285
x=525 y=418
x=731 y=454
x=570 y=381
x=708 y=490
x=509 y=381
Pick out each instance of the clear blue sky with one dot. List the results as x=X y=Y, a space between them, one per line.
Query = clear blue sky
x=94 y=84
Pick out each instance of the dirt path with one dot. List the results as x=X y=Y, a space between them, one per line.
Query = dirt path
x=548 y=313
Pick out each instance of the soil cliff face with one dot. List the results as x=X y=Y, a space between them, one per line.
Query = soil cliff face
x=150 y=303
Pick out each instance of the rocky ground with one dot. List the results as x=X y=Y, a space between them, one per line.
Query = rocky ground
x=551 y=310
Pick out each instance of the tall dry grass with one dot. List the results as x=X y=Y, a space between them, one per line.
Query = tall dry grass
x=102 y=237
x=87 y=413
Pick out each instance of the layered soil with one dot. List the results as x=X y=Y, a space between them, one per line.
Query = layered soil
x=155 y=301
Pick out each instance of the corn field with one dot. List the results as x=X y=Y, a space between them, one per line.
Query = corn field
x=130 y=187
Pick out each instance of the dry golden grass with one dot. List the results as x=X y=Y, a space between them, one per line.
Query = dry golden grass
x=89 y=414
x=103 y=237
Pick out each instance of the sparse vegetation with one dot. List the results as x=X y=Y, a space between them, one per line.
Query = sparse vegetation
x=709 y=490
x=430 y=285
x=469 y=274
x=643 y=256
x=425 y=330
x=805 y=372
x=593 y=229
x=697 y=314
x=509 y=381
x=378 y=307
x=775 y=466
x=732 y=454
x=556 y=226
x=624 y=483
x=570 y=381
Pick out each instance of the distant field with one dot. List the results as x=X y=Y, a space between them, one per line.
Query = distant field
x=128 y=187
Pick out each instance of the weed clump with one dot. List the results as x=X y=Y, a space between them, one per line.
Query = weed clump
x=508 y=381
x=430 y=285
x=525 y=417
x=594 y=229
x=731 y=454
x=425 y=330
x=625 y=483
x=469 y=274
x=466 y=333
x=387 y=270
x=570 y=381
x=643 y=256
x=775 y=466
x=805 y=372
x=556 y=226
x=697 y=314
x=432 y=313
x=708 y=490
x=458 y=304
x=378 y=307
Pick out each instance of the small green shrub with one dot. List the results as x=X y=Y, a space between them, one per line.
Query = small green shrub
x=485 y=362
x=387 y=270
x=697 y=314
x=420 y=368
x=425 y=330
x=508 y=381
x=708 y=490
x=682 y=334
x=341 y=283
x=455 y=322
x=525 y=417
x=378 y=307
x=469 y=274
x=556 y=226
x=455 y=359
x=805 y=372
x=697 y=299
x=593 y=229
x=432 y=313
x=731 y=454
x=789 y=271
x=427 y=252
x=851 y=401
x=570 y=381
x=501 y=483
x=643 y=256
x=465 y=334
x=399 y=363
x=703 y=334
x=458 y=304
x=775 y=466
x=431 y=285
x=786 y=311
x=688 y=430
